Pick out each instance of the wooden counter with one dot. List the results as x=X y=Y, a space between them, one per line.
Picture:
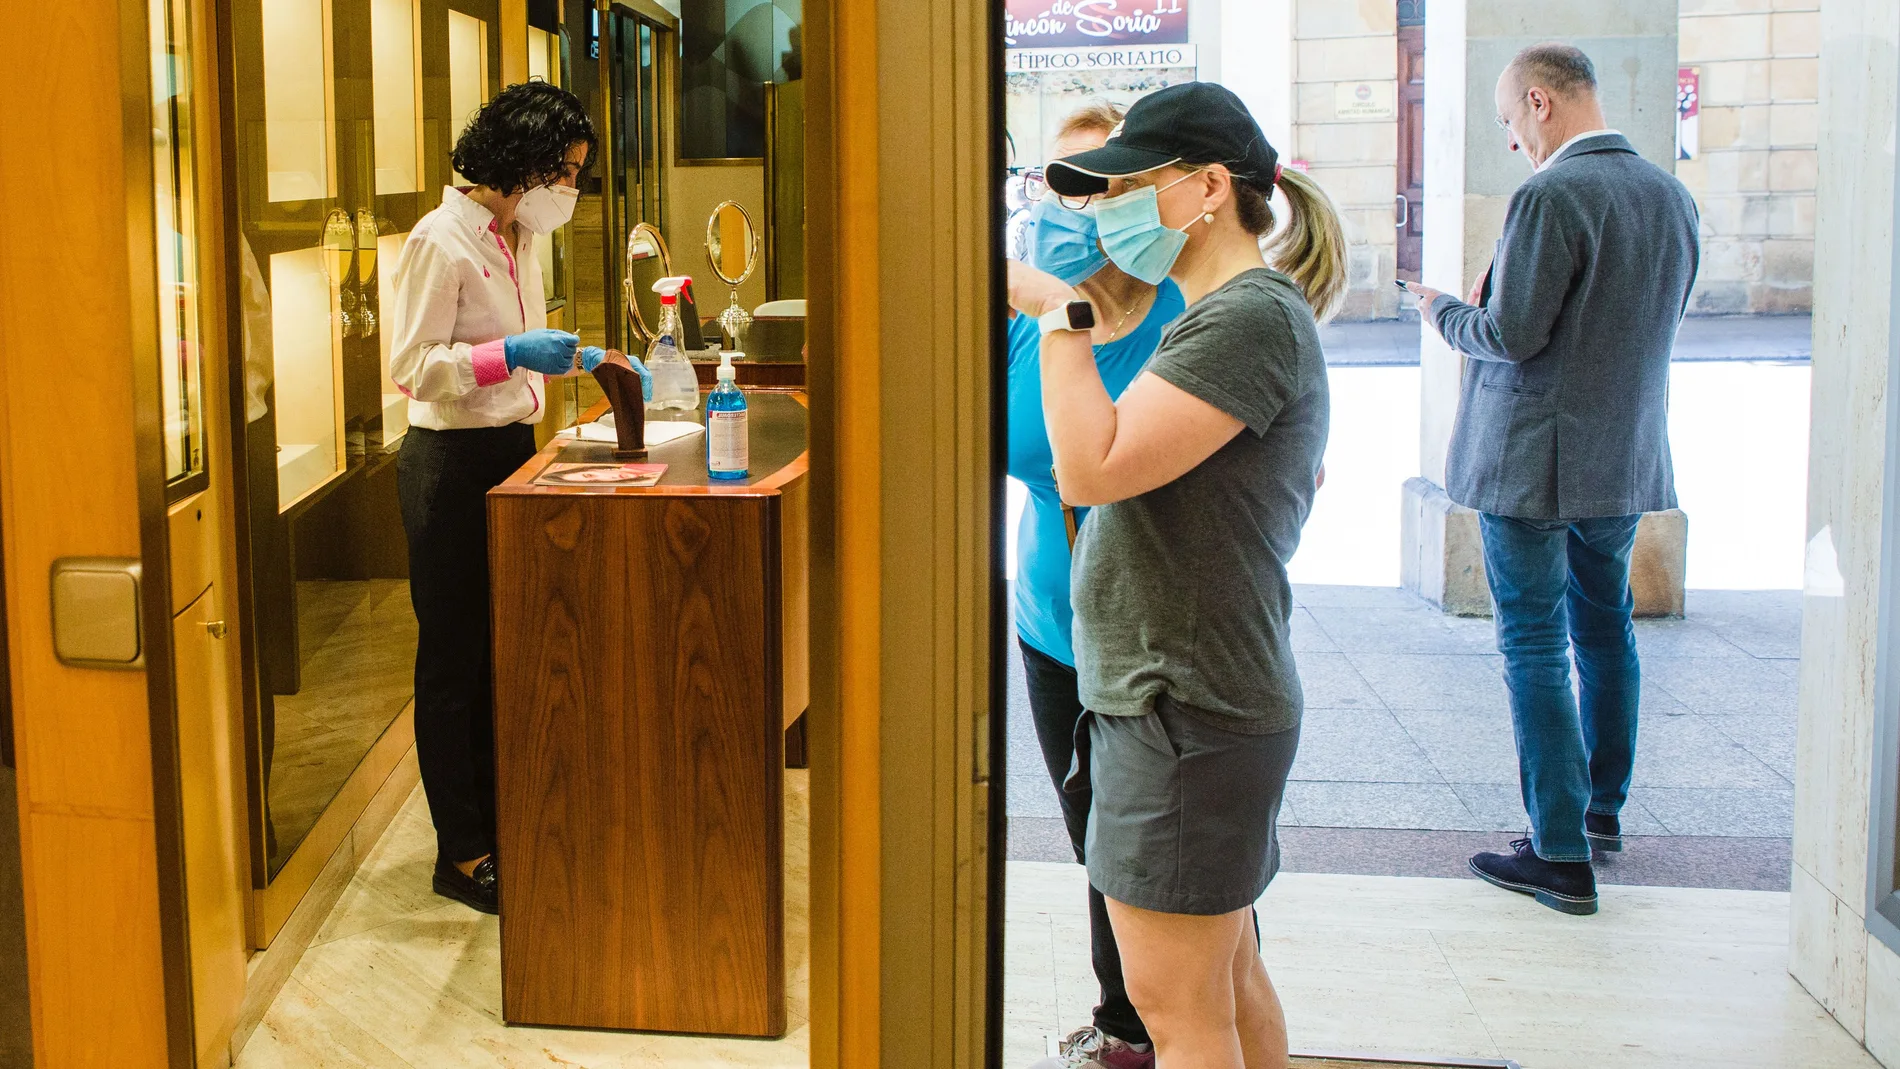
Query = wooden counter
x=642 y=688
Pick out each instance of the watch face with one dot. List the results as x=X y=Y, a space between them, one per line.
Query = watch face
x=1081 y=315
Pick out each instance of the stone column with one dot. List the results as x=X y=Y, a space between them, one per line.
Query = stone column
x=1470 y=174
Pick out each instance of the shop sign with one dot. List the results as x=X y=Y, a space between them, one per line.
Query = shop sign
x=1365 y=100
x=1038 y=60
x=1042 y=24
x=1688 y=112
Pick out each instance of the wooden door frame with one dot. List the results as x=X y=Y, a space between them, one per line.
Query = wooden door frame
x=99 y=803
x=903 y=181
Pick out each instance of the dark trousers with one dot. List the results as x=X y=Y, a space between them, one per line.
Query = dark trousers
x=1563 y=588
x=1055 y=703
x=442 y=480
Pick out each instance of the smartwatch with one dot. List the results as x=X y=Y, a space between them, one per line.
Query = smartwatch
x=1074 y=315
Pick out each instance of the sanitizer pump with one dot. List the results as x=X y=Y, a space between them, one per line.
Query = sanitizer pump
x=675 y=387
x=728 y=445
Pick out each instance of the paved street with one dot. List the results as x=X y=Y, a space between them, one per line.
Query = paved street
x=1407 y=764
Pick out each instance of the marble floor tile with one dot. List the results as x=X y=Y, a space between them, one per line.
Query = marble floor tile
x=1682 y=638
x=1501 y=808
x=1764 y=623
x=1693 y=751
x=1329 y=681
x=1355 y=597
x=1033 y=795
x=1770 y=738
x=1465 y=745
x=1430 y=806
x=1358 y=744
x=1421 y=681
x=1307 y=637
x=1419 y=629
x=1717 y=686
x=402 y=978
x=1760 y=813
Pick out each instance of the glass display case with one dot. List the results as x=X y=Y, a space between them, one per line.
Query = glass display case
x=175 y=221
x=344 y=112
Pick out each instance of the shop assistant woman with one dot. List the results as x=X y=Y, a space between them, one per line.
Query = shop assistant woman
x=470 y=348
x=1201 y=476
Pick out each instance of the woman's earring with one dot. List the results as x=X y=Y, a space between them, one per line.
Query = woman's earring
x=1207 y=217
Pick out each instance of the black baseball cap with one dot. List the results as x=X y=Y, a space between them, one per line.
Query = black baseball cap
x=1194 y=123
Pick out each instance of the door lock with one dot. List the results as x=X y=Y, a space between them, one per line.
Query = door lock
x=217 y=628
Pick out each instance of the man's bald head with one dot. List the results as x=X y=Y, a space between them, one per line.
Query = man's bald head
x=1546 y=96
x=1563 y=70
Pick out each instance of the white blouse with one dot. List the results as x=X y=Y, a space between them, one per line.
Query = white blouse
x=458 y=293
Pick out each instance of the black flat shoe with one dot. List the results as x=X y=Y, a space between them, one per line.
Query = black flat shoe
x=1604 y=831
x=479 y=891
x=1565 y=886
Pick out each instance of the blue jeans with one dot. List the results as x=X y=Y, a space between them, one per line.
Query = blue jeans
x=1557 y=586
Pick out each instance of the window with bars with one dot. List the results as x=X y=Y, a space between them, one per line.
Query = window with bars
x=1411 y=12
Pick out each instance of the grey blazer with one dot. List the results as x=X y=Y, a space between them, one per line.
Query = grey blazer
x=1564 y=410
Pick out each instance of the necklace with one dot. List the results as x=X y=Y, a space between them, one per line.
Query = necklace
x=1113 y=334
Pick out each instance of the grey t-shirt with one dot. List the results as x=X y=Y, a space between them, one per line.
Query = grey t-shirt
x=1183 y=589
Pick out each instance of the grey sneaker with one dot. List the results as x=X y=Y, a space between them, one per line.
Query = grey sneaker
x=1088 y=1048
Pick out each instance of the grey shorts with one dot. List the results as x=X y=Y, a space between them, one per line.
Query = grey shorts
x=1185 y=813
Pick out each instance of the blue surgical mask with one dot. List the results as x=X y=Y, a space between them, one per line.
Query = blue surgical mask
x=1062 y=241
x=1134 y=236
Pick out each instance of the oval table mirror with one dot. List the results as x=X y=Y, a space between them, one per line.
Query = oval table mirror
x=732 y=247
x=647 y=263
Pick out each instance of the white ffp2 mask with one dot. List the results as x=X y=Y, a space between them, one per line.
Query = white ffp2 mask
x=545 y=209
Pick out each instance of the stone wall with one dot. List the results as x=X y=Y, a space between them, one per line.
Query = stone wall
x=1337 y=43
x=1855 y=976
x=1754 y=177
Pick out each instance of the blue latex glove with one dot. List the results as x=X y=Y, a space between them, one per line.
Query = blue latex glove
x=591 y=358
x=551 y=352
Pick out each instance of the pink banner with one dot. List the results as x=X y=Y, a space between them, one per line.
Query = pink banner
x=1089 y=23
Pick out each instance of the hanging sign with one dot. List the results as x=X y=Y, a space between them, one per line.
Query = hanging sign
x=1043 y=24
x=1134 y=57
x=1688 y=112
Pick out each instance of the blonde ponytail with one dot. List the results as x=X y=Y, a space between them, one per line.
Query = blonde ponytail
x=1311 y=248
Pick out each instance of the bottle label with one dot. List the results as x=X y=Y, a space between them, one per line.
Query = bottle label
x=727 y=448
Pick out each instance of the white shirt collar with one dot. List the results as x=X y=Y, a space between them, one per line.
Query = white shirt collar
x=1561 y=149
x=466 y=207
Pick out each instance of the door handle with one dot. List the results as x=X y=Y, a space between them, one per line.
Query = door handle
x=217 y=628
x=1405 y=210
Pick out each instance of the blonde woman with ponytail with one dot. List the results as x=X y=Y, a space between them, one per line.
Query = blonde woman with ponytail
x=1199 y=479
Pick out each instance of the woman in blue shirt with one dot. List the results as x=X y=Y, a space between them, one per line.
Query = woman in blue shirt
x=1130 y=327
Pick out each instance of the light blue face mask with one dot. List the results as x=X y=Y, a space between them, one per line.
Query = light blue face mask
x=1062 y=241
x=1134 y=236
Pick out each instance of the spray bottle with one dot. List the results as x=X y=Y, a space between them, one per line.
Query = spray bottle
x=728 y=444
x=675 y=387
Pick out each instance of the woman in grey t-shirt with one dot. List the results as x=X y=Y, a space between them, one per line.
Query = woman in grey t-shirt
x=1201 y=475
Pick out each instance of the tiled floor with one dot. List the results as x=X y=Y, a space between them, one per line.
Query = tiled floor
x=401 y=979
x=1407 y=727
x=1663 y=978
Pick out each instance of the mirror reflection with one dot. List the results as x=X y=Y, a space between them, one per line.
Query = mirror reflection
x=647 y=263
x=732 y=247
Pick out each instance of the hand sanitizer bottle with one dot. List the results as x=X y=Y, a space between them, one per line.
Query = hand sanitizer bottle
x=675 y=386
x=728 y=446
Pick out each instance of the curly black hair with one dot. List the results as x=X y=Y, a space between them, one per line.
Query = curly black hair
x=520 y=139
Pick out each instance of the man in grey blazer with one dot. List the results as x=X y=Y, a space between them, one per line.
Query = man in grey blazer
x=1562 y=443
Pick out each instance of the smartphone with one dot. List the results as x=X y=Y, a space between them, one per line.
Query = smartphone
x=1399 y=282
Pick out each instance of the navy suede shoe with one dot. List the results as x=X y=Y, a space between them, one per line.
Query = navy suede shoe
x=1604 y=831
x=1565 y=886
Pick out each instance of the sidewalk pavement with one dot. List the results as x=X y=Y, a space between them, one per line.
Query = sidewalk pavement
x=1407 y=763
x=1394 y=342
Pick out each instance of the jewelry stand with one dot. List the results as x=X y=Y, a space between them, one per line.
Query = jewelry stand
x=625 y=396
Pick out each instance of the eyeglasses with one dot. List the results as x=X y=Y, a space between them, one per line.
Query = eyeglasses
x=1036 y=186
x=1504 y=123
